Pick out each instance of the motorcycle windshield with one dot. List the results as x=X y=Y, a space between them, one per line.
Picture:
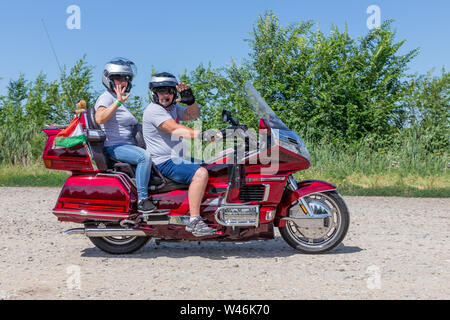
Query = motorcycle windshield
x=261 y=109
x=288 y=138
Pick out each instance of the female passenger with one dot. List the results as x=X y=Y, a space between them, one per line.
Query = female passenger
x=117 y=122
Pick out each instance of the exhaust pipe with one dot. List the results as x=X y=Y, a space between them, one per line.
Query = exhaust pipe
x=106 y=232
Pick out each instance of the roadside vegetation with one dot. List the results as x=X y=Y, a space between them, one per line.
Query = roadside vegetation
x=371 y=126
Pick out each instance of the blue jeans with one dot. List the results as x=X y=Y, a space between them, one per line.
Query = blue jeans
x=182 y=172
x=134 y=155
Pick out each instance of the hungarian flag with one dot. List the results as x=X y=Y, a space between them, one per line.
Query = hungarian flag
x=70 y=136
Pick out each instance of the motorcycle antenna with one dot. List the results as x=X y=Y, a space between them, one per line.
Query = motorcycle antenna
x=57 y=61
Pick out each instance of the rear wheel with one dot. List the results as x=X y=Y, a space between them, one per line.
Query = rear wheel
x=324 y=234
x=119 y=244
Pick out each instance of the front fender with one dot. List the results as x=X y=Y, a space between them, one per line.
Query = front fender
x=305 y=187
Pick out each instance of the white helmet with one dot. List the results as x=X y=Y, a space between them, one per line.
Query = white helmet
x=118 y=67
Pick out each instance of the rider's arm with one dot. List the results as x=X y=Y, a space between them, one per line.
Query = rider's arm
x=192 y=112
x=103 y=114
x=172 y=127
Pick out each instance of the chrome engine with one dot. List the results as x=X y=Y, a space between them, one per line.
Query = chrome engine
x=238 y=216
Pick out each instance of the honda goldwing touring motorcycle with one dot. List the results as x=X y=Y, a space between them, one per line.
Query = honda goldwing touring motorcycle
x=251 y=190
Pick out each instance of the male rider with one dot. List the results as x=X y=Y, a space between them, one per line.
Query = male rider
x=161 y=127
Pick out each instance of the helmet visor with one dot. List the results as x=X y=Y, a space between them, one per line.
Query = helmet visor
x=121 y=78
x=164 y=90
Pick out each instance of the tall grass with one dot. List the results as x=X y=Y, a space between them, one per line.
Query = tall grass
x=405 y=169
x=32 y=175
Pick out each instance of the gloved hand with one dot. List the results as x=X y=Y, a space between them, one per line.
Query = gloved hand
x=211 y=135
x=186 y=94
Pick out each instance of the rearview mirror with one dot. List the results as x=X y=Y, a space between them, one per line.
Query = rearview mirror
x=226 y=117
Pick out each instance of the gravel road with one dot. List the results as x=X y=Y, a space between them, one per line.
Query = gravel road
x=396 y=248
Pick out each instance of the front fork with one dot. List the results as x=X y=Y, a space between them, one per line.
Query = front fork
x=293 y=186
x=299 y=192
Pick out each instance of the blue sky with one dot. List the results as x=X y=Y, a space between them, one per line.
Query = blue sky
x=177 y=35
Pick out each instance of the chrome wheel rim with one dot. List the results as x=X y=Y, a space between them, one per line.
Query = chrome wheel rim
x=120 y=240
x=335 y=222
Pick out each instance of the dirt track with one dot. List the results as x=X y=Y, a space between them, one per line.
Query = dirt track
x=396 y=248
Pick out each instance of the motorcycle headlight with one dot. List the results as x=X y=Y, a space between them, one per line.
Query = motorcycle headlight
x=296 y=147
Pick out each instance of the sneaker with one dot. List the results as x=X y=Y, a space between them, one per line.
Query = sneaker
x=146 y=206
x=199 y=228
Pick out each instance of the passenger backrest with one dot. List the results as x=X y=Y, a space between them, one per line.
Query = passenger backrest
x=139 y=136
x=97 y=148
x=90 y=115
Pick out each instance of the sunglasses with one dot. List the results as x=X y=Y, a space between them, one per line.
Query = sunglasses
x=121 y=78
x=164 y=90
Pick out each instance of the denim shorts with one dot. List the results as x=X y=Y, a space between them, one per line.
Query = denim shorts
x=181 y=172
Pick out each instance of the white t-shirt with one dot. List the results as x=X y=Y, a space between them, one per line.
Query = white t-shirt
x=119 y=128
x=160 y=143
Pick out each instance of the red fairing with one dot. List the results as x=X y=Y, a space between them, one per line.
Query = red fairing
x=176 y=201
x=305 y=188
x=108 y=197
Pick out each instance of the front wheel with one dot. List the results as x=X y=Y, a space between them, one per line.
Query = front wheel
x=323 y=234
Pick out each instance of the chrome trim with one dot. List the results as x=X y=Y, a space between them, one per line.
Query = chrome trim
x=106 y=232
x=252 y=221
x=265 y=179
x=90 y=213
x=266 y=192
x=291 y=183
x=124 y=177
x=312 y=228
x=180 y=220
x=157 y=222
x=119 y=175
x=296 y=212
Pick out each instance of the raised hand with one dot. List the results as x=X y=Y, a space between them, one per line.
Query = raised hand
x=120 y=93
x=186 y=94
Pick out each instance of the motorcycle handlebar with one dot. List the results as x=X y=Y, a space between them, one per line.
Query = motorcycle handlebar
x=240 y=131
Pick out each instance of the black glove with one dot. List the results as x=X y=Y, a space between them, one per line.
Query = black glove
x=187 y=97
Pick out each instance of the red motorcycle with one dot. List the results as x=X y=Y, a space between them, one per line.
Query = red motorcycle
x=251 y=190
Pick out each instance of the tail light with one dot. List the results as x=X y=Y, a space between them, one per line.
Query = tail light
x=68 y=165
x=66 y=159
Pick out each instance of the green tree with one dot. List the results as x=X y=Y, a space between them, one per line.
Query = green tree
x=427 y=110
x=29 y=105
x=320 y=85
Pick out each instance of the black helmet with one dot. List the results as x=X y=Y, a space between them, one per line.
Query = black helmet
x=118 y=67
x=160 y=80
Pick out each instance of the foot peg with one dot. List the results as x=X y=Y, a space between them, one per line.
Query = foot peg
x=156 y=218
